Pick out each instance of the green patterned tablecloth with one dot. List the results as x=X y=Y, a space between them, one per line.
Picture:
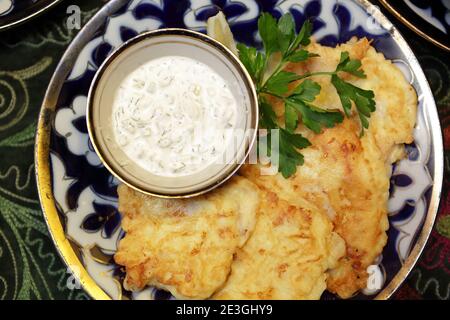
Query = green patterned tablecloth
x=30 y=267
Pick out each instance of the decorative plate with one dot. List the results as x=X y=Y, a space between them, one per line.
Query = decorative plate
x=78 y=194
x=14 y=12
x=429 y=19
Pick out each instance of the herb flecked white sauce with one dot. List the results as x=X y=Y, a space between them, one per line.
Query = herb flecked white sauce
x=174 y=116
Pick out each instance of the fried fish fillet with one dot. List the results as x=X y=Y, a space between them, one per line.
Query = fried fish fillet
x=345 y=176
x=287 y=255
x=185 y=246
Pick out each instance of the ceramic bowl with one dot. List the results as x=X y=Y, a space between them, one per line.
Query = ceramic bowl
x=131 y=56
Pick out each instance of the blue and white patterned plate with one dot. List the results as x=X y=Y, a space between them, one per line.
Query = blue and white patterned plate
x=429 y=19
x=14 y=12
x=79 y=196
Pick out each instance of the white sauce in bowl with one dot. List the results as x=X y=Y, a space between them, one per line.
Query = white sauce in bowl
x=174 y=116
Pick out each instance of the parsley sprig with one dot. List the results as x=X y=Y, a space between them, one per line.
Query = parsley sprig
x=283 y=45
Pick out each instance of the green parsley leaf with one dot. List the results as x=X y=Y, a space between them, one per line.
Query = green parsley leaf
x=267 y=72
x=350 y=66
x=308 y=90
x=268 y=118
x=363 y=99
x=268 y=30
x=315 y=118
x=304 y=36
x=301 y=55
x=289 y=156
x=252 y=60
x=296 y=139
x=286 y=28
x=290 y=117
x=278 y=83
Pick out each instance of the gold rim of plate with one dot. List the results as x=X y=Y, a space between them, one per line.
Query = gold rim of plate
x=43 y=172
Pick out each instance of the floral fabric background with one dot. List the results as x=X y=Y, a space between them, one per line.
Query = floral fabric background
x=30 y=267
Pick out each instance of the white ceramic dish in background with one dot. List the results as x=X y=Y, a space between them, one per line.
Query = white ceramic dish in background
x=129 y=57
x=429 y=19
x=16 y=12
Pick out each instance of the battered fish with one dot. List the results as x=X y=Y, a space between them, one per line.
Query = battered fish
x=185 y=246
x=287 y=255
x=345 y=176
